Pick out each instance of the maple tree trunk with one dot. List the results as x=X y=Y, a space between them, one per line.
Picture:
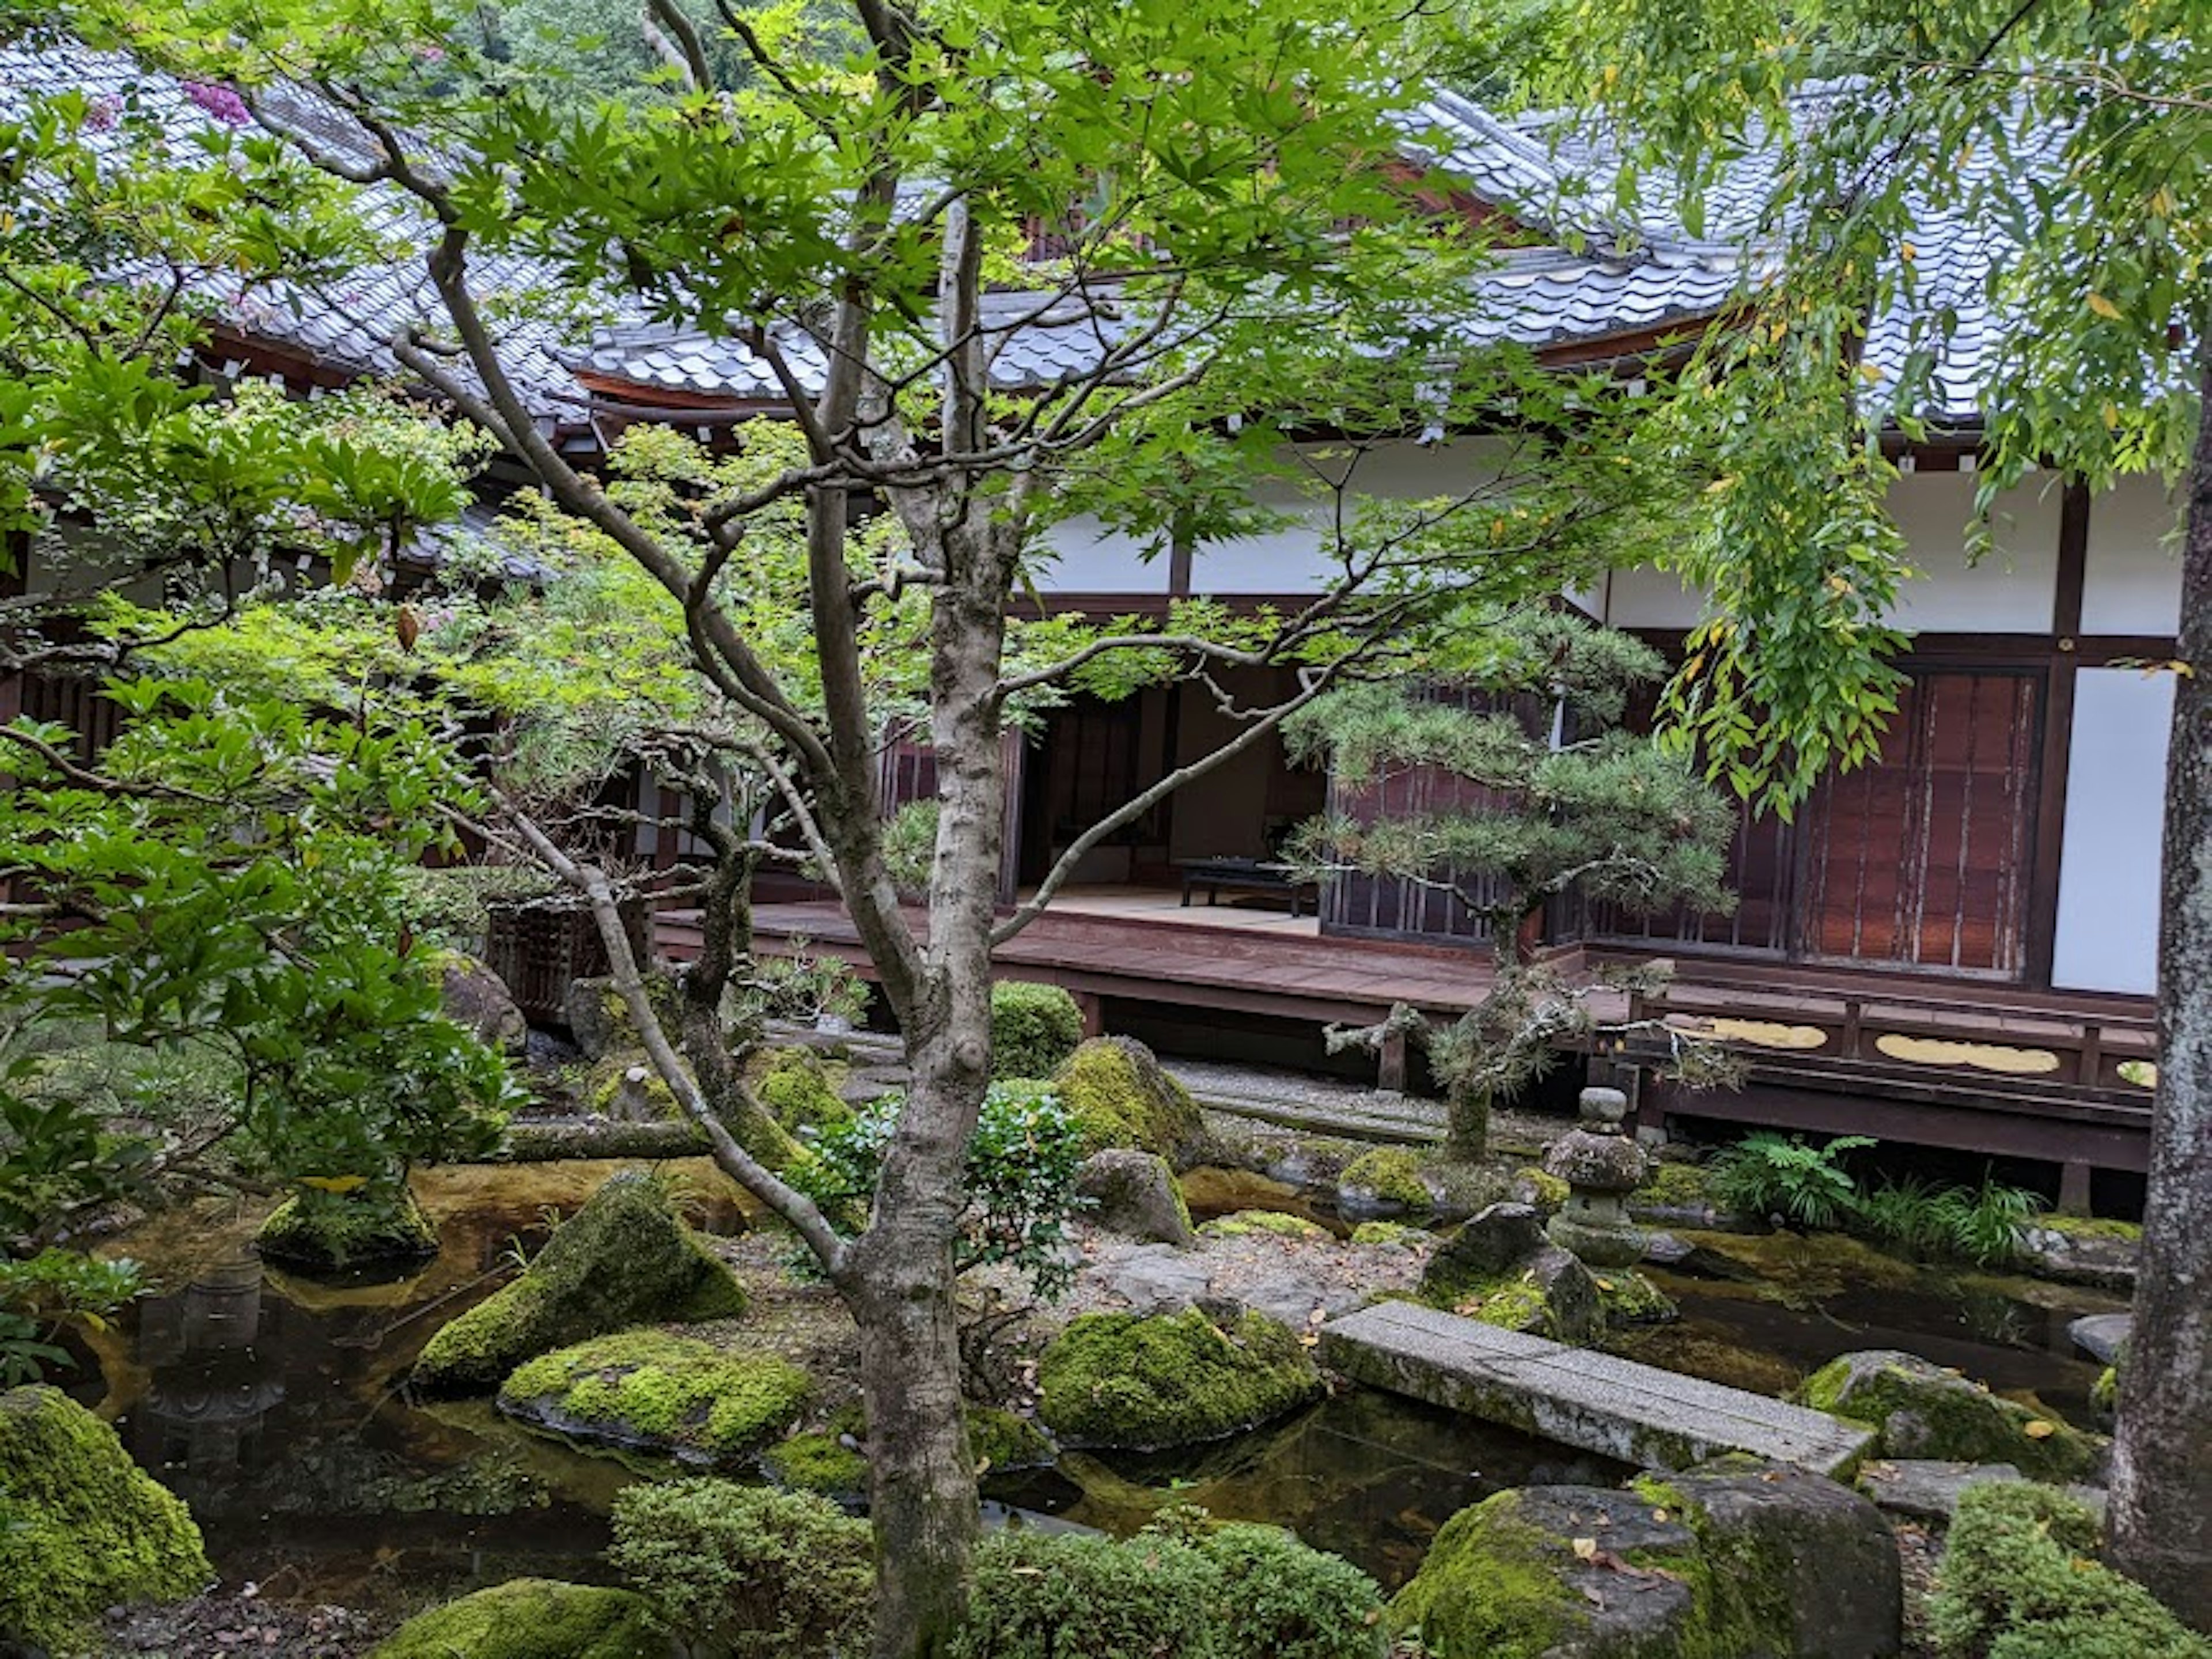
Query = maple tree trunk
x=2161 y=1494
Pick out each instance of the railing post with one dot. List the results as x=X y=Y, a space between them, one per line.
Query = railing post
x=1854 y=1013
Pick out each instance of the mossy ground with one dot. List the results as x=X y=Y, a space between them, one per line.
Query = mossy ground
x=82 y=1526
x=532 y=1618
x=1119 y=1380
x=649 y=1387
x=1391 y=1233
x=1243 y=1224
x=1675 y=1186
x=622 y=1259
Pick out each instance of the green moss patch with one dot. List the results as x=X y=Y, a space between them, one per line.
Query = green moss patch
x=1392 y=1174
x=624 y=1259
x=1630 y=1298
x=1492 y=1585
x=1120 y=1096
x=798 y=1090
x=650 y=1389
x=1278 y=1224
x=1924 y=1411
x=326 y=1231
x=1121 y=1380
x=818 y=1462
x=1547 y=1191
x=532 y=1618
x=1390 y=1233
x=1674 y=1185
x=82 y=1526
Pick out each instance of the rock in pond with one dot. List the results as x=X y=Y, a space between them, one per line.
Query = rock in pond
x=478 y=999
x=2102 y=1336
x=378 y=1224
x=1927 y=1488
x=1384 y=1183
x=1501 y=1268
x=1119 y=1095
x=533 y=1618
x=1134 y=1193
x=1922 y=1411
x=622 y=1259
x=647 y=1390
x=82 y=1526
x=1741 y=1559
x=1122 y=1380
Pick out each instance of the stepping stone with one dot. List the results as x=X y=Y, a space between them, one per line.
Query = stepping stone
x=1597 y=1401
x=2100 y=1335
x=1925 y=1488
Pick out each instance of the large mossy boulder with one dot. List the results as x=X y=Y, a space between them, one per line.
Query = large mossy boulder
x=1119 y=1095
x=796 y=1087
x=1922 y=1411
x=82 y=1526
x=647 y=1390
x=533 y=1618
x=377 y=1224
x=624 y=1259
x=1123 y=1380
x=1760 y=1562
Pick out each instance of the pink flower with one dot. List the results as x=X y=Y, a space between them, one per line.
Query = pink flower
x=101 y=113
x=431 y=54
x=221 y=102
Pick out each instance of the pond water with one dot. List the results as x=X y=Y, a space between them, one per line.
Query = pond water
x=273 y=1404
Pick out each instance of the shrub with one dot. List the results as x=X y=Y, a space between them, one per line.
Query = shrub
x=532 y=1619
x=1019 y=1178
x=1034 y=1029
x=1240 y=1592
x=2020 y=1580
x=1768 y=1174
x=754 y=1572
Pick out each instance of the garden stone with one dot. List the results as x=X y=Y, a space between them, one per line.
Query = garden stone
x=1927 y=1488
x=596 y=1017
x=1601 y=1166
x=477 y=997
x=624 y=1259
x=1923 y=1410
x=1150 y=1277
x=533 y=1618
x=2104 y=1254
x=1490 y=1244
x=2101 y=1335
x=1125 y=1381
x=1813 y=1563
x=1133 y=1194
x=1499 y=1267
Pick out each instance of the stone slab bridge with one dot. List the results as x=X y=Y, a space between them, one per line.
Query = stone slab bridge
x=1635 y=1413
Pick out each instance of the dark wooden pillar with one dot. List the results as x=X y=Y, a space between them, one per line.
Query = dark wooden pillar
x=2057 y=731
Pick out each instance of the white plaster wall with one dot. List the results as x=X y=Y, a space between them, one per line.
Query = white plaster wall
x=2108 y=873
x=2133 y=583
x=1644 y=597
x=2013 y=587
x=1086 y=558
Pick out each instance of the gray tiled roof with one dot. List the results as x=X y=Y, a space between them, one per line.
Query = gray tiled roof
x=1613 y=274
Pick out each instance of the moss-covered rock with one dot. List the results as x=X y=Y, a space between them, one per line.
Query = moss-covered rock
x=625 y=1086
x=1540 y=1190
x=1278 y=1224
x=477 y=997
x=1764 y=1560
x=1134 y=1193
x=533 y=1618
x=655 y=1392
x=1387 y=1175
x=825 y=1461
x=1003 y=1440
x=82 y=1526
x=1630 y=1298
x=2105 y=1394
x=622 y=1260
x=1034 y=1029
x=1921 y=1410
x=323 y=1232
x=1500 y=1268
x=1673 y=1185
x=1119 y=1095
x=1121 y=1380
x=796 y=1087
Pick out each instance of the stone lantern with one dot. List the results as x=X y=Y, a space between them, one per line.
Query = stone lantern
x=1601 y=1164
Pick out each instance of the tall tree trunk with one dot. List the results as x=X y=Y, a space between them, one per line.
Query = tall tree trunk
x=2161 y=1499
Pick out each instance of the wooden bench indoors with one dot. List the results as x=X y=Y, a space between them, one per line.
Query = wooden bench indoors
x=1216 y=876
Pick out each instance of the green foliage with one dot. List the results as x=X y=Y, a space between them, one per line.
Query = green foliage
x=1239 y=1591
x=1769 y=1174
x=329 y=1232
x=82 y=1526
x=1034 y=1029
x=751 y=1572
x=670 y=1393
x=1018 y=1179
x=623 y=1258
x=2021 y=1580
x=40 y=1294
x=1127 y=1380
x=796 y=1090
x=532 y=1619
